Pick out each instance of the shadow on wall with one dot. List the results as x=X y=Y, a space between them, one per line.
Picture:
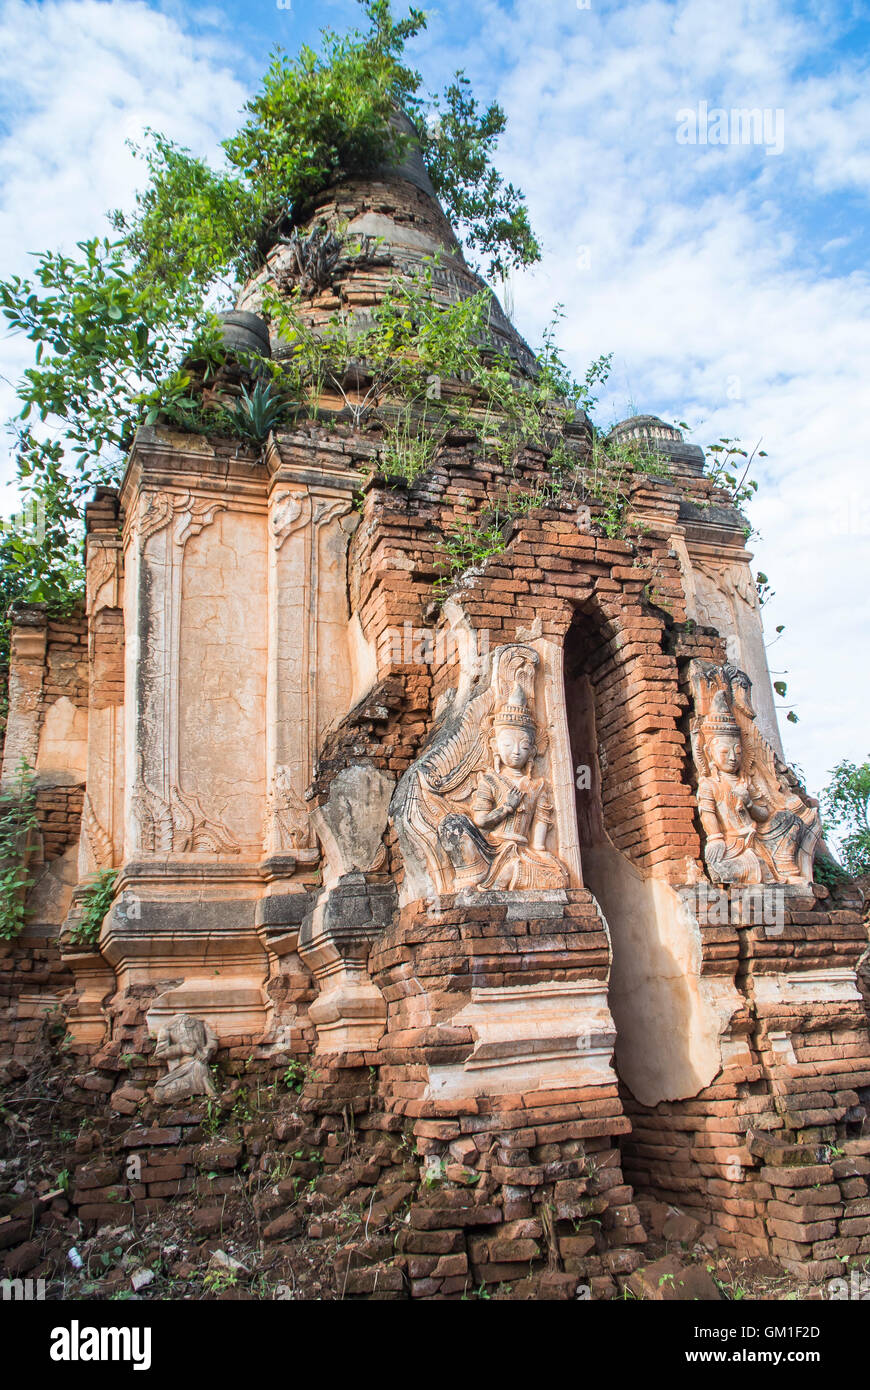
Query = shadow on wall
x=669 y=1021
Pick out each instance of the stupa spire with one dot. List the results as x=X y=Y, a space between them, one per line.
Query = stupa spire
x=394 y=217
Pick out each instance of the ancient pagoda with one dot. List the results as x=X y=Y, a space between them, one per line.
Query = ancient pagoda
x=508 y=863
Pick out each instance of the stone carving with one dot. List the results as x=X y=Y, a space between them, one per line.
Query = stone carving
x=306 y=686
x=287 y=821
x=178 y=825
x=97 y=839
x=171 y=820
x=187 y=1044
x=758 y=830
x=193 y=515
x=287 y=510
x=474 y=808
x=101 y=587
x=735 y=579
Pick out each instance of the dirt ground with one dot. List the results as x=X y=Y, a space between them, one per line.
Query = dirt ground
x=270 y=1214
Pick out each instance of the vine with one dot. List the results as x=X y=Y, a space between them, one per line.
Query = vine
x=422 y=372
x=95 y=903
x=18 y=826
x=727 y=465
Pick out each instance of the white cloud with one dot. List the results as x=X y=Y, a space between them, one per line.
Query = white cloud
x=697 y=276
x=698 y=272
x=81 y=77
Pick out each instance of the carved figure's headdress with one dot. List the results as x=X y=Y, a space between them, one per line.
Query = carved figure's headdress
x=719 y=720
x=515 y=713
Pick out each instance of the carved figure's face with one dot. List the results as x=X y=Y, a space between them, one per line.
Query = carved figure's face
x=514 y=747
x=726 y=752
x=188 y=1032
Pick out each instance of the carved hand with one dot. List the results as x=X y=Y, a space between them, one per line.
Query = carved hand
x=502 y=810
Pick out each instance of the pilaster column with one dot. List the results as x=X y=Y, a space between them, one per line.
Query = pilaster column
x=309 y=680
x=102 y=838
x=26 y=677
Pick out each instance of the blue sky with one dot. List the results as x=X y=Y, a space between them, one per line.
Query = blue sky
x=730 y=283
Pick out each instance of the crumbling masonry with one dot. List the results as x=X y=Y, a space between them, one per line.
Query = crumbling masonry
x=467 y=862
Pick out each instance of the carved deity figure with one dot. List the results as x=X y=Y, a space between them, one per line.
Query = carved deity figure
x=287 y=824
x=757 y=829
x=486 y=756
x=187 y=1044
x=501 y=845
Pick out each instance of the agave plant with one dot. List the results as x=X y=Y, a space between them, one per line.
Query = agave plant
x=260 y=410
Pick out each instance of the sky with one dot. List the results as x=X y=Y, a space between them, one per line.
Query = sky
x=728 y=279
